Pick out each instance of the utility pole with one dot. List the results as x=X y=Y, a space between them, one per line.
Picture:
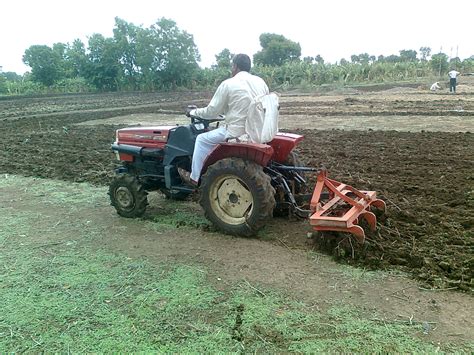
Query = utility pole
x=440 y=51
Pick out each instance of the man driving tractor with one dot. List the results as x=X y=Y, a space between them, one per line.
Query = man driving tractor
x=242 y=182
x=232 y=99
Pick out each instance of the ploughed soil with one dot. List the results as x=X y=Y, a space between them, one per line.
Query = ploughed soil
x=425 y=177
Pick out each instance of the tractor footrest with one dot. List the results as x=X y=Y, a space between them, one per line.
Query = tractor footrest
x=344 y=208
x=183 y=188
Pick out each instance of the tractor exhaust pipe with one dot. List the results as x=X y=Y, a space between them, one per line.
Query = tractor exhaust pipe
x=127 y=149
x=137 y=151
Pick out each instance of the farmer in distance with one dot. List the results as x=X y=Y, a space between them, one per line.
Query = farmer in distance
x=452 y=80
x=435 y=86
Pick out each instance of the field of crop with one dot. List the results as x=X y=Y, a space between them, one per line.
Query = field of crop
x=414 y=147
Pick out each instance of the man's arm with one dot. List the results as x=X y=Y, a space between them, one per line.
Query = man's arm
x=217 y=105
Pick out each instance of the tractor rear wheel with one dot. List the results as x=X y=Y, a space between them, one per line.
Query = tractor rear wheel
x=237 y=196
x=128 y=196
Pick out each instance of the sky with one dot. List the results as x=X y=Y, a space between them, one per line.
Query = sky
x=333 y=29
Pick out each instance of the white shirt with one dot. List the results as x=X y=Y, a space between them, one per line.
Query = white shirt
x=232 y=99
x=453 y=73
x=435 y=87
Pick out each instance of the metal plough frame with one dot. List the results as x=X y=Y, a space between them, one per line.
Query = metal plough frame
x=346 y=205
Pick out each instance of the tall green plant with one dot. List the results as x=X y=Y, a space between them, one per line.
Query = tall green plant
x=45 y=64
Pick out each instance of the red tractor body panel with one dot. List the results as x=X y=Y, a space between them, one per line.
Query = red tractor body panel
x=283 y=144
x=258 y=153
x=145 y=137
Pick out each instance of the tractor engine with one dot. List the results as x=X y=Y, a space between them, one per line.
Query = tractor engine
x=146 y=139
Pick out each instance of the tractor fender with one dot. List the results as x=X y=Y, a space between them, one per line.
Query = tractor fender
x=283 y=144
x=258 y=153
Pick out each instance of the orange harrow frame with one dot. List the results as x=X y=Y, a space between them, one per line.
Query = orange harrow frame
x=346 y=205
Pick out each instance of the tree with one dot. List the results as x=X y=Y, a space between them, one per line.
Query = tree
x=145 y=58
x=362 y=58
x=467 y=65
x=126 y=41
x=65 y=67
x=166 y=57
x=318 y=59
x=175 y=54
x=408 y=55
x=11 y=76
x=343 y=62
x=425 y=53
x=7 y=79
x=455 y=62
x=103 y=63
x=76 y=58
x=310 y=60
x=45 y=64
x=224 y=60
x=439 y=63
x=3 y=83
x=392 y=59
x=276 y=50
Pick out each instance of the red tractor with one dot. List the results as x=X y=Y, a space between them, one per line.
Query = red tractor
x=242 y=185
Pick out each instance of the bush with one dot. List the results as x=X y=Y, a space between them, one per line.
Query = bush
x=3 y=85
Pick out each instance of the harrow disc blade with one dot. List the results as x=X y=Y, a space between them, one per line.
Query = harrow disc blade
x=344 y=210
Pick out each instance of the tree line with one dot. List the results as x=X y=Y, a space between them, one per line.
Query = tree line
x=163 y=57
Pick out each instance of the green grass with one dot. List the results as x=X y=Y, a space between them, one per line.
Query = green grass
x=177 y=219
x=66 y=295
x=83 y=303
x=58 y=193
x=79 y=300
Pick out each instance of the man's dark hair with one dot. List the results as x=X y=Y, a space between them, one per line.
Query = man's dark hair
x=242 y=62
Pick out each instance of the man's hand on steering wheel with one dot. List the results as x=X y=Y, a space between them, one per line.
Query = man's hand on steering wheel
x=189 y=109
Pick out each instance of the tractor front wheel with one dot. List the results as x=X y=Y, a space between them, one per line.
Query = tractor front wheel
x=128 y=196
x=237 y=196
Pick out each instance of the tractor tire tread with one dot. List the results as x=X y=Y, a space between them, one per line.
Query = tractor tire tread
x=264 y=193
x=138 y=191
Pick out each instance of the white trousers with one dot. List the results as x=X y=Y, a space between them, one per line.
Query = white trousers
x=205 y=143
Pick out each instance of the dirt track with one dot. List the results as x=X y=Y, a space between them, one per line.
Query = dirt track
x=425 y=177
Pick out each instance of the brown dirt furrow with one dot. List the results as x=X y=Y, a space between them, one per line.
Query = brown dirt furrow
x=426 y=178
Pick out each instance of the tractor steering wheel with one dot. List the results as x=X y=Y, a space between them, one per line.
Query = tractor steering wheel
x=196 y=121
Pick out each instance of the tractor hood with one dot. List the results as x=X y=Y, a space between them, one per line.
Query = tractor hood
x=147 y=137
